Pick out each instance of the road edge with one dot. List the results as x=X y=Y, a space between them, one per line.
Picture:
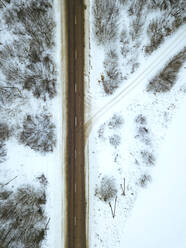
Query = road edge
x=64 y=72
x=87 y=110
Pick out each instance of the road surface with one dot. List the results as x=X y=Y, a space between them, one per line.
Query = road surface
x=75 y=175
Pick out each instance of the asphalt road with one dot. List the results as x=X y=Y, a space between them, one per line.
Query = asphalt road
x=75 y=236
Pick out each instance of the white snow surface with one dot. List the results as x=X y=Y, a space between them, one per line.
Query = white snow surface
x=125 y=161
x=25 y=164
x=149 y=215
x=158 y=218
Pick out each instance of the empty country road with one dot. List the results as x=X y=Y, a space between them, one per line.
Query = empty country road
x=75 y=236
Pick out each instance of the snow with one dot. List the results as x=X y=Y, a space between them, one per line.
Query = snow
x=158 y=218
x=24 y=164
x=144 y=209
x=125 y=161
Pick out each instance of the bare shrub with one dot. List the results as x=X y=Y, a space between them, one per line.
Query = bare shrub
x=43 y=180
x=141 y=119
x=142 y=129
x=106 y=17
x=115 y=140
x=107 y=190
x=166 y=79
x=144 y=180
x=8 y=94
x=143 y=135
x=38 y=133
x=3 y=152
x=4 y=131
x=22 y=219
x=101 y=131
x=124 y=43
x=115 y=122
x=148 y=158
x=113 y=76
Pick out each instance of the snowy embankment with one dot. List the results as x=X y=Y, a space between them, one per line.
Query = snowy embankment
x=31 y=124
x=130 y=150
x=125 y=143
x=158 y=218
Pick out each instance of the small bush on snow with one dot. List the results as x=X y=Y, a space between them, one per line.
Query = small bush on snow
x=148 y=158
x=144 y=180
x=107 y=190
x=140 y=119
x=115 y=140
x=38 y=133
x=115 y=122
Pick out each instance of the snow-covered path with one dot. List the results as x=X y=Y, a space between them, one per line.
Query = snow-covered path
x=142 y=76
x=159 y=217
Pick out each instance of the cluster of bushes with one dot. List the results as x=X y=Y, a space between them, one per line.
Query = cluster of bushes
x=23 y=222
x=165 y=80
x=113 y=124
x=106 y=17
x=27 y=61
x=142 y=129
x=146 y=155
x=27 y=64
x=172 y=17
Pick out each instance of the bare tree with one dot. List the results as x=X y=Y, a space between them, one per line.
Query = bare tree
x=107 y=192
x=38 y=133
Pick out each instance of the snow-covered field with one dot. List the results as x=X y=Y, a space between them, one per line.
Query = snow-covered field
x=31 y=165
x=130 y=146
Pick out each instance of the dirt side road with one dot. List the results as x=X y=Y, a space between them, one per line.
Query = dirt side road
x=75 y=160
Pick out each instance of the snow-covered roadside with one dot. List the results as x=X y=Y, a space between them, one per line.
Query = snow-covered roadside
x=26 y=166
x=128 y=149
x=125 y=144
x=96 y=97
